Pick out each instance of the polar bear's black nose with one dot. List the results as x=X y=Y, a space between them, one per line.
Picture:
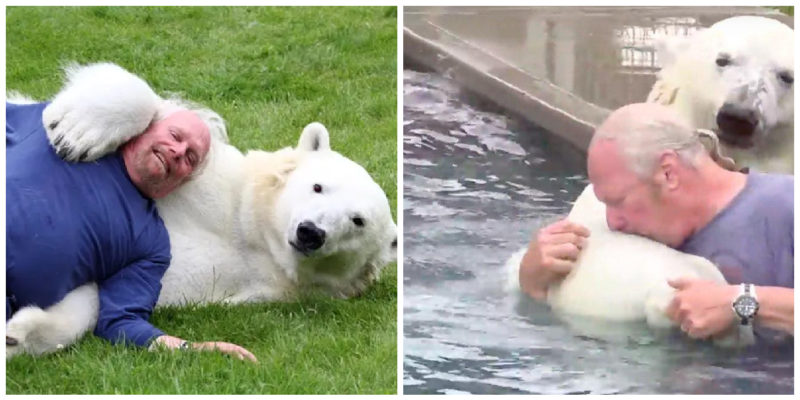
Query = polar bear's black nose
x=310 y=236
x=737 y=124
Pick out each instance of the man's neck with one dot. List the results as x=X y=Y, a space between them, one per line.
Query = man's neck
x=714 y=189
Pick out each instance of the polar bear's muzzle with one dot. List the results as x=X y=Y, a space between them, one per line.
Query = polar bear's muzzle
x=737 y=125
x=740 y=119
x=308 y=237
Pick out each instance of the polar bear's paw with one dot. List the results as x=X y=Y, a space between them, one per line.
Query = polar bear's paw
x=101 y=107
x=26 y=324
x=359 y=284
x=73 y=139
x=81 y=133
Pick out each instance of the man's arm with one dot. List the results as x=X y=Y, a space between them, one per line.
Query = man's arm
x=127 y=299
x=776 y=308
x=126 y=303
x=704 y=308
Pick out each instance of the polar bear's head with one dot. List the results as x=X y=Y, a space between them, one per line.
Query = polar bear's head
x=736 y=77
x=332 y=222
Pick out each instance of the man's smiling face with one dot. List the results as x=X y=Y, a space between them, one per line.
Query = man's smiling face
x=160 y=159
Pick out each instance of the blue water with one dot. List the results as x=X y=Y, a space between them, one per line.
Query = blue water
x=477 y=184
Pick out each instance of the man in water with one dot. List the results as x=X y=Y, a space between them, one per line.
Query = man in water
x=657 y=180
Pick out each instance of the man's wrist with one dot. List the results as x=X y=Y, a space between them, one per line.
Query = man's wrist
x=745 y=303
x=534 y=280
x=170 y=342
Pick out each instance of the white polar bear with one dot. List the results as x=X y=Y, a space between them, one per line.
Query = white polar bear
x=619 y=276
x=737 y=79
x=267 y=226
x=263 y=226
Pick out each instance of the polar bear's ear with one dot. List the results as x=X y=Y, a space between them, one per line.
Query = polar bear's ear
x=314 y=138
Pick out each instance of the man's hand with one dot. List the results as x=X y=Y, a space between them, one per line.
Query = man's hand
x=172 y=342
x=702 y=308
x=551 y=255
x=227 y=348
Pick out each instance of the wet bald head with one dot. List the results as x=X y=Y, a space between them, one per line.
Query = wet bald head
x=643 y=131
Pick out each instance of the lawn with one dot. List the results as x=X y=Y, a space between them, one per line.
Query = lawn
x=268 y=71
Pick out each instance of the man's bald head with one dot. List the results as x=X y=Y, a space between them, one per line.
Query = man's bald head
x=643 y=131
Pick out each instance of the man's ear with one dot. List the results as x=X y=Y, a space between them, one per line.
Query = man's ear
x=666 y=175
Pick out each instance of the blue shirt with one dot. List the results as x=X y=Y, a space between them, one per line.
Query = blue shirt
x=72 y=223
x=752 y=239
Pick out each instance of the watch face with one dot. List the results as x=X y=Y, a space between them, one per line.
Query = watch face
x=745 y=306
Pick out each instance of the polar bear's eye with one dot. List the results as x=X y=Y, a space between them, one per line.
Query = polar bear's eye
x=358 y=221
x=786 y=77
x=723 y=61
x=317 y=188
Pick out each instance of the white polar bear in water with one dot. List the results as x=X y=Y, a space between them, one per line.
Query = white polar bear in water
x=621 y=277
x=618 y=276
x=261 y=226
x=737 y=79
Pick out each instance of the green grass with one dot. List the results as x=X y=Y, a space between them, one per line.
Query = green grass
x=788 y=10
x=268 y=71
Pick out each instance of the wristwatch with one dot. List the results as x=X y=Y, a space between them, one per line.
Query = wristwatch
x=745 y=305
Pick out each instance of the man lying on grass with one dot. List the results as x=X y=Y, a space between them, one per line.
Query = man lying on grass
x=73 y=224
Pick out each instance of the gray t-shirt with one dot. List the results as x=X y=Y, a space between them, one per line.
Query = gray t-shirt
x=752 y=239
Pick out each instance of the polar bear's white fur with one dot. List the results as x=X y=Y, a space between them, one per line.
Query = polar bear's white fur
x=236 y=229
x=83 y=139
x=735 y=78
x=261 y=226
x=38 y=331
x=619 y=276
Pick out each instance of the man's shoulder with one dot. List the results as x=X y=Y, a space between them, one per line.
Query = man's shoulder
x=779 y=180
x=22 y=120
x=769 y=202
x=772 y=189
x=773 y=181
x=24 y=109
x=24 y=116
